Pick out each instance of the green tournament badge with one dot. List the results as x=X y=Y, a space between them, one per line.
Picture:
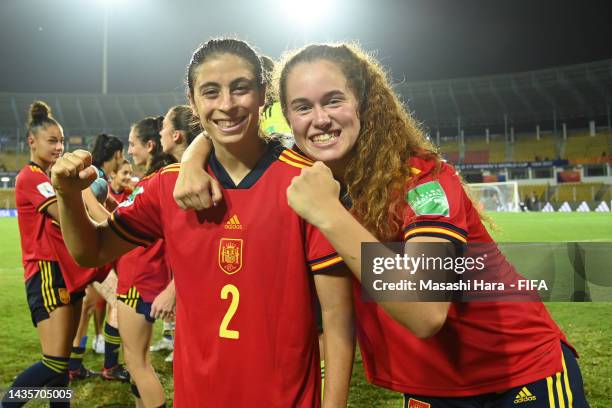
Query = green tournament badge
x=132 y=197
x=428 y=199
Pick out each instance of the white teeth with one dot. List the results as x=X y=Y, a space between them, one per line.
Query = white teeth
x=228 y=123
x=324 y=138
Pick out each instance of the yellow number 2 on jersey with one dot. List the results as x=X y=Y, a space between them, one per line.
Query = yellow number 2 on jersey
x=223 y=330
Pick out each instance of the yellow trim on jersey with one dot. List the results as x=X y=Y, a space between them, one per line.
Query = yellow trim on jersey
x=127 y=234
x=297 y=157
x=45 y=204
x=434 y=230
x=414 y=171
x=568 y=389
x=171 y=168
x=551 y=394
x=327 y=263
x=35 y=169
x=292 y=163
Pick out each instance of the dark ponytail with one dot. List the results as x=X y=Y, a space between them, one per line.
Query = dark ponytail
x=39 y=116
x=182 y=119
x=147 y=130
x=104 y=148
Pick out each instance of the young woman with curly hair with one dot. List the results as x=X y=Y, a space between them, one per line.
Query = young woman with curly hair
x=344 y=113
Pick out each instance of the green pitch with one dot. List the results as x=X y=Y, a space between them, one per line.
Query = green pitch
x=587 y=325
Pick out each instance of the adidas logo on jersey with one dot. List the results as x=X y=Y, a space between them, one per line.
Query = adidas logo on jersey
x=233 y=223
x=524 y=396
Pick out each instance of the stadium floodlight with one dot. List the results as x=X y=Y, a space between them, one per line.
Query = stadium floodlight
x=306 y=13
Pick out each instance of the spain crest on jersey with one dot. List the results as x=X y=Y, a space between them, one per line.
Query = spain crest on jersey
x=230 y=255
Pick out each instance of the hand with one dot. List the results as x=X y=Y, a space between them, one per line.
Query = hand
x=314 y=193
x=163 y=305
x=73 y=173
x=195 y=188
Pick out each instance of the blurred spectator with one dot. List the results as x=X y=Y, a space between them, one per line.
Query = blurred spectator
x=533 y=202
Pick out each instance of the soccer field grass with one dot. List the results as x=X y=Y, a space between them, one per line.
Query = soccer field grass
x=587 y=325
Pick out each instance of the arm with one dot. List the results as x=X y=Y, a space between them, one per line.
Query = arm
x=195 y=188
x=335 y=295
x=94 y=209
x=163 y=305
x=314 y=196
x=89 y=243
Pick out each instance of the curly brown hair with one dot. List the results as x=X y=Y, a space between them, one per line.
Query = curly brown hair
x=377 y=171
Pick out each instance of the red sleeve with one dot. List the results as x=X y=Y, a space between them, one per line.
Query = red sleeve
x=37 y=189
x=320 y=255
x=437 y=207
x=138 y=219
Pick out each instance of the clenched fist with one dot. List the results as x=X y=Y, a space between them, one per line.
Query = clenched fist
x=73 y=173
x=314 y=194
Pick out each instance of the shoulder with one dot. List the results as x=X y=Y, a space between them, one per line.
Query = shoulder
x=426 y=170
x=31 y=174
x=291 y=160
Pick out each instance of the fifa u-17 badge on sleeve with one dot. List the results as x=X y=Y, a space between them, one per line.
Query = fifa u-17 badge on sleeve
x=428 y=199
x=132 y=197
x=46 y=189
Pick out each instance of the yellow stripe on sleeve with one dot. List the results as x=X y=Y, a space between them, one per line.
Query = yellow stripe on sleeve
x=327 y=263
x=126 y=234
x=298 y=158
x=292 y=163
x=41 y=208
x=434 y=230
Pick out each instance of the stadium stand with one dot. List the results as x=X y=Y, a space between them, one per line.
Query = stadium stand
x=528 y=148
x=582 y=148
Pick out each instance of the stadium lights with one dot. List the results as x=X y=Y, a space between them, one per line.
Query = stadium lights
x=306 y=13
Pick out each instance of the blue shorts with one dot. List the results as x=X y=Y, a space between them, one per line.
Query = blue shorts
x=133 y=300
x=561 y=390
x=46 y=291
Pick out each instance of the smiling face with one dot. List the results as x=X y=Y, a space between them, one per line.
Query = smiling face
x=226 y=98
x=47 y=145
x=139 y=151
x=322 y=111
x=121 y=179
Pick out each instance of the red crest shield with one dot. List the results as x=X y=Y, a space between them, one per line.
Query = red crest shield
x=230 y=255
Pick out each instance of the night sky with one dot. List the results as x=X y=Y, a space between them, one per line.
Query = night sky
x=56 y=45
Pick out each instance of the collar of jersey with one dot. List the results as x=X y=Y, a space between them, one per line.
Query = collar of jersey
x=31 y=163
x=273 y=150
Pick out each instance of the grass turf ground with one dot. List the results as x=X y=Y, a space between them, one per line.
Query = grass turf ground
x=586 y=324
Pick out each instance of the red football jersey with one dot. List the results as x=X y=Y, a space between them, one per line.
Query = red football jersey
x=483 y=346
x=34 y=194
x=119 y=196
x=144 y=267
x=41 y=237
x=245 y=328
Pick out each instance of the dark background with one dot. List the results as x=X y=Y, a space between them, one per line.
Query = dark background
x=56 y=45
